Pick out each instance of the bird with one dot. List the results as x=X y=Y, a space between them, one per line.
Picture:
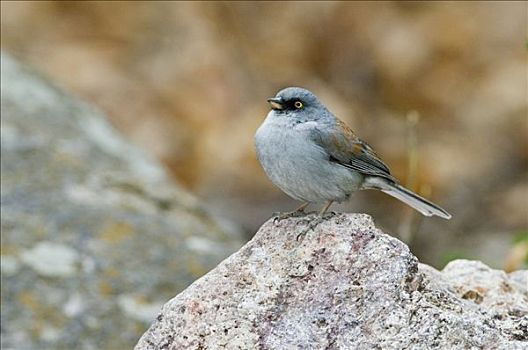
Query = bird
x=314 y=157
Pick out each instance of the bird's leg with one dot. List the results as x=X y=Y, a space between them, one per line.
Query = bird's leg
x=325 y=208
x=297 y=212
x=319 y=219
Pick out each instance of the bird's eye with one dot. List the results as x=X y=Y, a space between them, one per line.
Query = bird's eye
x=298 y=104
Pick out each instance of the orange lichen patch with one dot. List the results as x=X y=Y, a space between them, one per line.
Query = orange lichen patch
x=28 y=300
x=114 y=232
x=111 y=273
x=105 y=288
x=474 y=296
x=6 y=249
x=42 y=314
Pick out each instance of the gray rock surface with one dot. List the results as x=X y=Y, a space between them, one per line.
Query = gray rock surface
x=346 y=285
x=94 y=235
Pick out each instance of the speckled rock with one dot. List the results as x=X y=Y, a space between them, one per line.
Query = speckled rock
x=94 y=235
x=346 y=285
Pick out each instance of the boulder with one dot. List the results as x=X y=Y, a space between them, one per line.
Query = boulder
x=95 y=236
x=344 y=285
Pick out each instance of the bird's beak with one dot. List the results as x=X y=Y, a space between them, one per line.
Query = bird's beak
x=276 y=103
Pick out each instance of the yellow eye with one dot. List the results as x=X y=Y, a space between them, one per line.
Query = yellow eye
x=298 y=104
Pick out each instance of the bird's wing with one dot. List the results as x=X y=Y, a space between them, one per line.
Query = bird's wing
x=345 y=148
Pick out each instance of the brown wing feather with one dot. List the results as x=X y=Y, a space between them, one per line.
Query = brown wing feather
x=345 y=148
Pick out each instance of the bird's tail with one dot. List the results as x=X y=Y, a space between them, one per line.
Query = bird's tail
x=410 y=198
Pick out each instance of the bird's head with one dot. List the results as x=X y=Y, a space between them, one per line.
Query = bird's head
x=294 y=100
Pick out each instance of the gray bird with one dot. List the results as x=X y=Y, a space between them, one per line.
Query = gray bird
x=313 y=156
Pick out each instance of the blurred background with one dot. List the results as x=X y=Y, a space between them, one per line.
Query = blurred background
x=439 y=89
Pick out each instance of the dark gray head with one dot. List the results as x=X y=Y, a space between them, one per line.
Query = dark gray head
x=296 y=100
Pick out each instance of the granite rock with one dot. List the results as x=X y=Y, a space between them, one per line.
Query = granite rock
x=95 y=236
x=345 y=285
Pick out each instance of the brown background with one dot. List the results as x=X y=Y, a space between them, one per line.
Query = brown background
x=188 y=82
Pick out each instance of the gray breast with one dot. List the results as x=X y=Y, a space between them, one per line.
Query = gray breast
x=298 y=166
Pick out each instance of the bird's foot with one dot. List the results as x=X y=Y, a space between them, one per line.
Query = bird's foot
x=292 y=214
x=312 y=224
x=330 y=215
x=278 y=217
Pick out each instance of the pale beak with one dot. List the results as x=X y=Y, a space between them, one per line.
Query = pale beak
x=276 y=103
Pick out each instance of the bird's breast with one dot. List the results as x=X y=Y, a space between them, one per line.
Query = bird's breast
x=298 y=166
x=283 y=145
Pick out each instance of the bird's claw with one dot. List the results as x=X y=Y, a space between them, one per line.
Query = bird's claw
x=330 y=215
x=278 y=217
x=312 y=224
